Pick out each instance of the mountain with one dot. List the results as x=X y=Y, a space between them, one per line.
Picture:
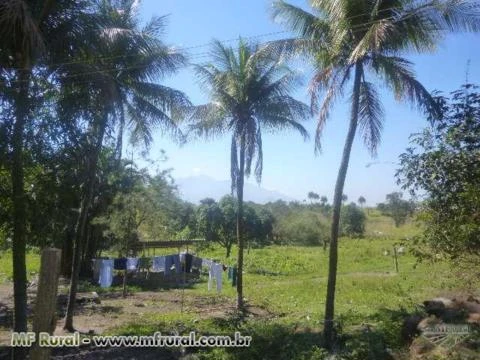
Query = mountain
x=196 y=188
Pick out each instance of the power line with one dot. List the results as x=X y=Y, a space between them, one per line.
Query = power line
x=202 y=54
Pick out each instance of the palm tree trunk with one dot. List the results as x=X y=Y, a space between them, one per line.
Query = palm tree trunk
x=81 y=226
x=240 y=180
x=329 y=336
x=19 y=210
x=119 y=144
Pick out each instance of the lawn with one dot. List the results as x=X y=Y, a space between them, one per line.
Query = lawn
x=289 y=284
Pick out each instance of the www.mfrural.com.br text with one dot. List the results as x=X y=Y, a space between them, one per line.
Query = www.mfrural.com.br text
x=27 y=339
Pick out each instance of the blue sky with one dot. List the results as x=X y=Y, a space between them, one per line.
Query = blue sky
x=290 y=165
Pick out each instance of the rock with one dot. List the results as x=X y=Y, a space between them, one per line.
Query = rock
x=473 y=318
x=410 y=327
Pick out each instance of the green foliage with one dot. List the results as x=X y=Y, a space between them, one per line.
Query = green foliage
x=217 y=222
x=397 y=208
x=352 y=221
x=443 y=163
x=302 y=228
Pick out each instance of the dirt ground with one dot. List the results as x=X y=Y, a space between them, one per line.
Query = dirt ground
x=115 y=310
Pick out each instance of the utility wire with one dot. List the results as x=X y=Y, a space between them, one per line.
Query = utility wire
x=202 y=54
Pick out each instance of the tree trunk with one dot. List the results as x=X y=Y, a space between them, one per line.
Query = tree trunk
x=329 y=335
x=67 y=252
x=240 y=180
x=81 y=227
x=229 y=249
x=19 y=210
x=119 y=144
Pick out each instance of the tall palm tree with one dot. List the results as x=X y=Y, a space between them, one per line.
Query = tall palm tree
x=249 y=91
x=362 y=201
x=31 y=32
x=363 y=39
x=111 y=84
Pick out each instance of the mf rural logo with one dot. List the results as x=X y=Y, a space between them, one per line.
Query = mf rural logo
x=447 y=335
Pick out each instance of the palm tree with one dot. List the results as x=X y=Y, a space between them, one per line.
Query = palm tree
x=362 y=201
x=362 y=39
x=31 y=32
x=313 y=196
x=249 y=91
x=113 y=84
x=323 y=200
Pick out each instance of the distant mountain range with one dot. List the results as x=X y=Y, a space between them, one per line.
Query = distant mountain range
x=196 y=188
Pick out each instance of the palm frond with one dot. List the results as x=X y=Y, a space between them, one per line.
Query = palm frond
x=370 y=116
x=207 y=120
x=305 y=24
x=332 y=80
x=259 y=163
x=20 y=32
x=401 y=79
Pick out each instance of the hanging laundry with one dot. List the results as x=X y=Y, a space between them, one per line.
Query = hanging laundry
x=96 y=268
x=168 y=264
x=215 y=276
x=188 y=263
x=158 y=263
x=207 y=263
x=106 y=273
x=132 y=264
x=120 y=264
x=196 y=262
x=178 y=265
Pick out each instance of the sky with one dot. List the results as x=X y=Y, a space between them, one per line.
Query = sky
x=290 y=165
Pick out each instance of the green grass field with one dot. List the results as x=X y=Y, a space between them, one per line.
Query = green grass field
x=290 y=283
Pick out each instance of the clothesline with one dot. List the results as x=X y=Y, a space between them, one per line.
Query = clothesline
x=182 y=263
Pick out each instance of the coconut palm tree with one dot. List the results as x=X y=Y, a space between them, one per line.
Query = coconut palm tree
x=363 y=39
x=112 y=84
x=362 y=201
x=31 y=33
x=249 y=92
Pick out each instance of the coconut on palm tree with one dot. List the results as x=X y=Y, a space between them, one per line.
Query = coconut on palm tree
x=357 y=41
x=250 y=92
x=112 y=84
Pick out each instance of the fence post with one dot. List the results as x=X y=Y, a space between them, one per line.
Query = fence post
x=395 y=258
x=46 y=303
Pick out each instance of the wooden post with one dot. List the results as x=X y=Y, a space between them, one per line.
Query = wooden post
x=125 y=282
x=45 y=308
x=395 y=258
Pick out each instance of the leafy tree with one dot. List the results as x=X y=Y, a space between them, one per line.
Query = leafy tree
x=353 y=221
x=111 y=80
x=397 y=208
x=302 y=228
x=209 y=219
x=228 y=207
x=344 y=198
x=249 y=91
x=442 y=164
x=356 y=39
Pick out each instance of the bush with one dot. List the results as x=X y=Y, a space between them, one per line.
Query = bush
x=352 y=221
x=303 y=228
